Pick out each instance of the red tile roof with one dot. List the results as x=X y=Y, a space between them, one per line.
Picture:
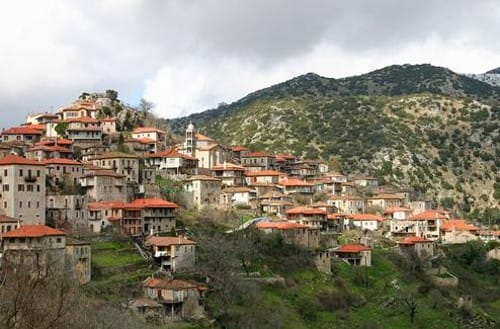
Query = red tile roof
x=306 y=211
x=141 y=130
x=166 y=241
x=281 y=225
x=228 y=166
x=414 y=239
x=106 y=205
x=430 y=215
x=17 y=160
x=262 y=173
x=366 y=217
x=7 y=219
x=238 y=148
x=170 y=154
x=294 y=182
x=173 y=284
x=259 y=154
x=152 y=203
x=392 y=210
x=33 y=231
x=458 y=225
x=200 y=137
x=22 y=131
x=62 y=162
x=352 y=248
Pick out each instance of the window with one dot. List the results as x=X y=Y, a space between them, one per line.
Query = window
x=20 y=204
x=29 y=188
x=38 y=173
x=29 y=204
x=20 y=188
x=6 y=187
x=38 y=188
x=5 y=172
x=20 y=172
x=58 y=240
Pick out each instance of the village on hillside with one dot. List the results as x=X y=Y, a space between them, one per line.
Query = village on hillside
x=75 y=173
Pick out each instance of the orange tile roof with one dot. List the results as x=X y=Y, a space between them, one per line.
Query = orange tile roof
x=17 y=160
x=173 y=284
x=345 y=197
x=108 y=119
x=166 y=241
x=106 y=205
x=46 y=148
x=365 y=217
x=238 y=148
x=294 y=182
x=152 y=203
x=392 y=210
x=7 y=219
x=259 y=154
x=287 y=156
x=201 y=137
x=172 y=153
x=22 y=131
x=82 y=120
x=146 y=140
x=414 y=239
x=306 y=211
x=386 y=196
x=33 y=231
x=430 y=215
x=281 y=225
x=337 y=216
x=458 y=225
x=352 y=248
x=262 y=173
x=228 y=166
x=62 y=161
x=202 y=177
x=114 y=155
x=141 y=130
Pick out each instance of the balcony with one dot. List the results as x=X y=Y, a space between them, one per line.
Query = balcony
x=162 y=254
x=30 y=179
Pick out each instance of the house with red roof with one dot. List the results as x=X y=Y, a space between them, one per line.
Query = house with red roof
x=386 y=200
x=172 y=163
x=38 y=152
x=262 y=177
x=83 y=130
x=427 y=224
x=201 y=191
x=296 y=186
x=367 y=221
x=103 y=184
x=238 y=196
x=230 y=174
x=158 y=137
x=23 y=189
x=354 y=254
x=108 y=126
x=312 y=217
x=103 y=214
x=121 y=163
x=8 y=224
x=180 y=299
x=256 y=161
x=292 y=232
x=25 y=134
x=419 y=246
x=458 y=231
x=172 y=253
x=237 y=152
x=347 y=204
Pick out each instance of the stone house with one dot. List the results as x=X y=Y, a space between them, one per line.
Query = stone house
x=201 y=191
x=68 y=211
x=296 y=186
x=428 y=223
x=458 y=231
x=367 y=221
x=8 y=224
x=84 y=130
x=104 y=185
x=354 y=254
x=64 y=170
x=25 y=133
x=180 y=299
x=256 y=161
x=78 y=256
x=237 y=196
x=421 y=247
x=386 y=200
x=23 y=189
x=210 y=156
x=347 y=204
x=102 y=214
x=263 y=177
x=293 y=233
x=172 y=253
x=312 y=217
x=121 y=163
x=172 y=163
x=229 y=174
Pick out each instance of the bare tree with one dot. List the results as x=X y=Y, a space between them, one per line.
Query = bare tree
x=145 y=106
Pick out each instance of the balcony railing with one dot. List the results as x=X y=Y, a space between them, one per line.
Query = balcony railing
x=30 y=179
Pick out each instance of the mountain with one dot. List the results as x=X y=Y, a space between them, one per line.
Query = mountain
x=494 y=71
x=418 y=126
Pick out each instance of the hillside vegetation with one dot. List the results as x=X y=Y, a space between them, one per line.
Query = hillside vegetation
x=421 y=127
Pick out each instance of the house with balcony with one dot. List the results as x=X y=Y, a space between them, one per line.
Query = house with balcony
x=172 y=163
x=354 y=254
x=369 y=222
x=428 y=224
x=347 y=204
x=458 y=231
x=104 y=184
x=262 y=177
x=23 y=190
x=256 y=161
x=157 y=136
x=416 y=245
x=238 y=152
x=292 y=232
x=172 y=253
x=8 y=224
x=312 y=217
x=121 y=163
x=386 y=200
x=84 y=130
x=103 y=214
x=229 y=174
x=201 y=191
x=180 y=299
x=239 y=196
x=67 y=211
x=294 y=186
x=25 y=134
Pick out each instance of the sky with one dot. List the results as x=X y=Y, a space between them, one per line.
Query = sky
x=187 y=56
